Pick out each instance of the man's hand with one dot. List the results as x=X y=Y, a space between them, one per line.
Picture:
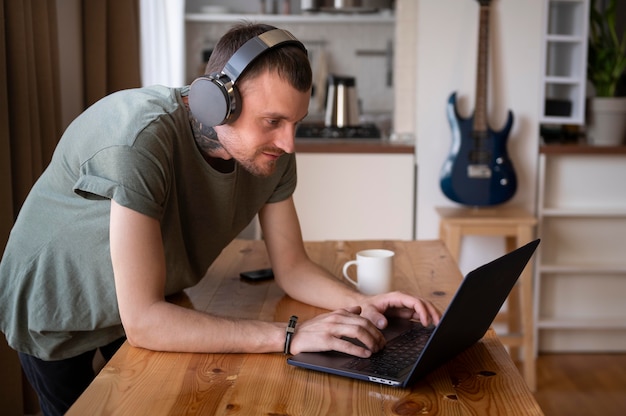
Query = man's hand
x=328 y=332
x=374 y=308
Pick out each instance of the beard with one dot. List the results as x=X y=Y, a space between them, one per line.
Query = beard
x=254 y=161
x=257 y=168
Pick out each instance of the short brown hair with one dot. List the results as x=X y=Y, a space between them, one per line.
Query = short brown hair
x=291 y=63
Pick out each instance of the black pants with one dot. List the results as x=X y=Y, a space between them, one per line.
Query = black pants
x=59 y=383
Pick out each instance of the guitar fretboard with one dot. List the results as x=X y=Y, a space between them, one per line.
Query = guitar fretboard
x=480 y=108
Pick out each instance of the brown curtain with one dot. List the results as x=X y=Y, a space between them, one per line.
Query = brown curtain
x=30 y=106
x=111 y=47
x=30 y=99
x=29 y=129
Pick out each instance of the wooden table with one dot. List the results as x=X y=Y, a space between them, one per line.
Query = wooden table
x=482 y=380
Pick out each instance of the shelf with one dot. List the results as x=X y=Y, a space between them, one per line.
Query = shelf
x=581 y=149
x=582 y=268
x=558 y=120
x=564 y=17
x=387 y=18
x=580 y=273
x=565 y=38
x=584 y=212
x=565 y=80
x=577 y=324
x=564 y=52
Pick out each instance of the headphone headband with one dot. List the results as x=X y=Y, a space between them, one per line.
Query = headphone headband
x=213 y=98
x=254 y=47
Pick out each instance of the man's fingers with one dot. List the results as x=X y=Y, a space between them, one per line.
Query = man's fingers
x=343 y=330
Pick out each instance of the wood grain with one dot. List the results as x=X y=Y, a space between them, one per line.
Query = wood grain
x=481 y=381
x=581 y=384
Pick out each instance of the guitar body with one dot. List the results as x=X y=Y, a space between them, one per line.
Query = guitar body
x=478 y=170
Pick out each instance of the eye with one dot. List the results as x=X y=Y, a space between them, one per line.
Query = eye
x=272 y=121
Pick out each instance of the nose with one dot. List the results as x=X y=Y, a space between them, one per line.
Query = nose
x=286 y=138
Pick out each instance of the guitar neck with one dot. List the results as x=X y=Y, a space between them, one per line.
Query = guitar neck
x=480 y=107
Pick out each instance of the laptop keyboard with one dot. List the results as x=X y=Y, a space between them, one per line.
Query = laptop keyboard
x=399 y=353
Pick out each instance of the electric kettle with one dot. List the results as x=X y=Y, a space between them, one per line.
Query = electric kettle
x=342 y=107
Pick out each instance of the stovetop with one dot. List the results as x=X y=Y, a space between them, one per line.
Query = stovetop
x=320 y=131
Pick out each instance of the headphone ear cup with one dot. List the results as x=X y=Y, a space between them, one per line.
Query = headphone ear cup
x=213 y=99
x=210 y=100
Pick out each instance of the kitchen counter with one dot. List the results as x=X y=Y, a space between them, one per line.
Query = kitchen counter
x=353 y=146
x=581 y=149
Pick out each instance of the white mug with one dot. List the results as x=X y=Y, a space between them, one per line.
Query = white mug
x=374 y=271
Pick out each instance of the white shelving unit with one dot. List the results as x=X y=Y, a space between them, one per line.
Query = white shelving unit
x=580 y=273
x=566 y=25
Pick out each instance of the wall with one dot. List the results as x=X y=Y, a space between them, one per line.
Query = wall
x=440 y=40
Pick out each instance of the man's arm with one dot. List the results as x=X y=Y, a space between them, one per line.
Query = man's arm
x=151 y=322
x=297 y=275
x=307 y=282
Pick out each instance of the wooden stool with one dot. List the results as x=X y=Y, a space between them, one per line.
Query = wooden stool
x=517 y=227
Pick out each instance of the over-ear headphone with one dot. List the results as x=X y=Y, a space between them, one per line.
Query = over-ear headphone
x=213 y=98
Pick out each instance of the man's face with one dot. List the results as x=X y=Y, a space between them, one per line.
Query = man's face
x=265 y=129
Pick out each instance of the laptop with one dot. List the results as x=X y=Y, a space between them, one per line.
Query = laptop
x=466 y=320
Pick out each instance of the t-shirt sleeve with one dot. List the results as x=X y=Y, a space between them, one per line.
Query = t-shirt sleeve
x=131 y=177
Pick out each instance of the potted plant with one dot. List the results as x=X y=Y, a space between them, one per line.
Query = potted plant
x=606 y=62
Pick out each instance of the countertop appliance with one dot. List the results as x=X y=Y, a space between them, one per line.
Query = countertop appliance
x=342 y=105
x=341 y=116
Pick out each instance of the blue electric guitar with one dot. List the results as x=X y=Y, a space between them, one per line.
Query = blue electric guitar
x=478 y=171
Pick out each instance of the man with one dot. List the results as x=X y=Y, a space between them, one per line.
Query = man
x=139 y=198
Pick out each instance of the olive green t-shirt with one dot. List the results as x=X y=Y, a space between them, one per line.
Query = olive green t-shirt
x=57 y=294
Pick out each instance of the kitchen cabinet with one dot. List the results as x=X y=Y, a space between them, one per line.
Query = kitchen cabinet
x=580 y=274
x=564 y=73
x=355 y=192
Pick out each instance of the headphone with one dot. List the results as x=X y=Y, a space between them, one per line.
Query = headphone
x=213 y=98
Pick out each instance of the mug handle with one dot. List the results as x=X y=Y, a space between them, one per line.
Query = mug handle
x=345 y=271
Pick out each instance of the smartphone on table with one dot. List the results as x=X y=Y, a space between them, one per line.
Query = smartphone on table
x=258 y=275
